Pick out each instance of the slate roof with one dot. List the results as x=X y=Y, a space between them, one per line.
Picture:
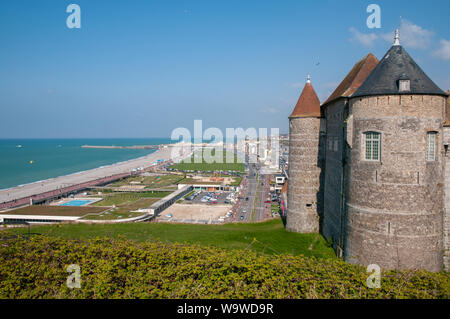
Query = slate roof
x=396 y=65
x=308 y=104
x=357 y=75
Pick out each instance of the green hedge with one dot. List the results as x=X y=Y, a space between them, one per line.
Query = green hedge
x=36 y=268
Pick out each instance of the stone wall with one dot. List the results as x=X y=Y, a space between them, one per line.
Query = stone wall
x=394 y=206
x=446 y=235
x=333 y=182
x=304 y=175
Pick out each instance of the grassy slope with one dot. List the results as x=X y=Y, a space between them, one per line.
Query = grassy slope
x=268 y=237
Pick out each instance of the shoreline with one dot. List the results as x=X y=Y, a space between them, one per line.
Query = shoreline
x=78 y=172
x=29 y=190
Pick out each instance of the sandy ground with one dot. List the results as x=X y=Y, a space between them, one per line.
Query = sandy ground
x=81 y=177
x=196 y=212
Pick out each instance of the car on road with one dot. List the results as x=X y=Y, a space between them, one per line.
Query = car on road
x=242 y=217
x=246 y=198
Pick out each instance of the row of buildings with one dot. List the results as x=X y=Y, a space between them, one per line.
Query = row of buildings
x=370 y=167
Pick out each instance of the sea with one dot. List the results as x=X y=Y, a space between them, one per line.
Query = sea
x=24 y=161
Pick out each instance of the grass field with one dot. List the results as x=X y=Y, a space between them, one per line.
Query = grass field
x=149 y=181
x=124 y=211
x=268 y=237
x=203 y=165
x=128 y=198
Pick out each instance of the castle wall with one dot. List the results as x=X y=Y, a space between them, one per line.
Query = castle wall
x=333 y=182
x=394 y=206
x=446 y=237
x=304 y=175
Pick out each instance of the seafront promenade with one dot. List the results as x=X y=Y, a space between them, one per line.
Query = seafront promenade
x=21 y=195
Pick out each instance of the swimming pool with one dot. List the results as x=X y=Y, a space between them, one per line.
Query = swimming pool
x=77 y=202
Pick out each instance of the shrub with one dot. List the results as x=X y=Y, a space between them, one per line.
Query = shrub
x=120 y=268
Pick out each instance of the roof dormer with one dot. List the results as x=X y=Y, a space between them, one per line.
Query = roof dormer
x=404 y=83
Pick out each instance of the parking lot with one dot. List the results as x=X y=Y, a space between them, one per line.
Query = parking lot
x=211 y=198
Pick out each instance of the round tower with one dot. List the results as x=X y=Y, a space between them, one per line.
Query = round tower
x=304 y=169
x=395 y=173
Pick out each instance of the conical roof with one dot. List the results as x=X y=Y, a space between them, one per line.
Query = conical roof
x=308 y=104
x=357 y=75
x=397 y=65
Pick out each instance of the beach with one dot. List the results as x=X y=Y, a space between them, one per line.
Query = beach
x=105 y=172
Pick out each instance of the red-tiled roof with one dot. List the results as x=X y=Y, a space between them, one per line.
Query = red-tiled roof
x=354 y=78
x=308 y=104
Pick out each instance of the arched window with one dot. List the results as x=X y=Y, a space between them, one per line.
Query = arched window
x=373 y=146
x=431 y=146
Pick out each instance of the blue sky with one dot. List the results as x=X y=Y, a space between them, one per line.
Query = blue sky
x=143 y=68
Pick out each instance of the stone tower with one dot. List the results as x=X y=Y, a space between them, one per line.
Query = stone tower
x=335 y=112
x=304 y=174
x=395 y=176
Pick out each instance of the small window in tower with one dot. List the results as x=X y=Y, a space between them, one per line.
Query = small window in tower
x=372 y=144
x=431 y=146
x=404 y=85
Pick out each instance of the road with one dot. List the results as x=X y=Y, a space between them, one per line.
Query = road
x=256 y=188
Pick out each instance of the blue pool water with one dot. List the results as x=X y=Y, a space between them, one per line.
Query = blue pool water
x=77 y=202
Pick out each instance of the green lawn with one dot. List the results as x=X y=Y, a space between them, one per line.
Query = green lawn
x=149 y=181
x=123 y=211
x=198 y=163
x=128 y=198
x=268 y=237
